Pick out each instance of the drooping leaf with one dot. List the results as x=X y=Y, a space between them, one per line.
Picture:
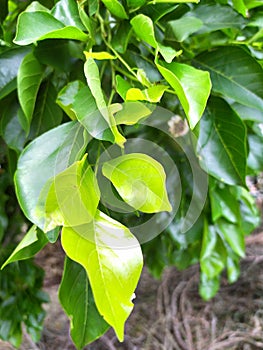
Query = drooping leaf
x=234 y=236
x=29 y=77
x=66 y=96
x=73 y=196
x=221 y=145
x=88 y=114
x=33 y=242
x=45 y=27
x=77 y=300
x=235 y=74
x=47 y=114
x=192 y=87
x=9 y=65
x=112 y=257
x=116 y=8
x=213 y=253
x=140 y=181
x=93 y=79
x=42 y=159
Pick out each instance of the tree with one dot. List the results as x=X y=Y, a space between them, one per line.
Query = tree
x=126 y=127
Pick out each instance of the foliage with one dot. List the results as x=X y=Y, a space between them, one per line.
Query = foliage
x=126 y=123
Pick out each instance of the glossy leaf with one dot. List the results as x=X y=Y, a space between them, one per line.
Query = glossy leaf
x=43 y=158
x=121 y=38
x=29 y=77
x=221 y=145
x=73 y=196
x=47 y=114
x=116 y=8
x=93 y=79
x=122 y=86
x=192 y=87
x=234 y=236
x=66 y=11
x=235 y=74
x=112 y=257
x=255 y=161
x=45 y=27
x=140 y=181
x=9 y=65
x=132 y=112
x=33 y=242
x=87 y=113
x=67 y=95
x=77 y=300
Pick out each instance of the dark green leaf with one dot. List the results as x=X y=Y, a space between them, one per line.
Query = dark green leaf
x=222 y=143
x=9 y=65
x=255 y=159
x=77 y=300
x=235 y=74
x=66 y=11
x=116 y=8
x=234 y=236
x=29 y=77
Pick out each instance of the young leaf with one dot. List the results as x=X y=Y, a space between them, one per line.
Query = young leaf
x=132 y=112
x=42 y=159
x=140 y=181
x=112 y=257
x=77 y=300
x=73 y=196
x=93 y=79
x=235 y=74
x=192 y=87
x=32 y=243
x=45 y=27
x=222 y=143
x=116 y=8
x=152 y=94
x=103 y=55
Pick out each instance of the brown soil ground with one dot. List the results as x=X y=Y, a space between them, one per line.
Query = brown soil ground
x=169 y=314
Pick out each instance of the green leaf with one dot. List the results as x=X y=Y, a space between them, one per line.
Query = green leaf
x=224 y=204
x=143 y=28
x=73 y=196
x=29 y=77
x=9 y=64
x=234 y=236
x=235 y=74
x=192 y=87
x=208 y=286
x=222 y=143
x=122 y=86
x=66 y=97
x=233 y=266
x=255 y=160
x=180 y=29
x=213 y=253
x=42 y=159
x=112 y=257
x=93 y=79
x=152 y=94
x=121 y=37
x=87 y=113
x=45 y=27
x=47 y=114
x=10 y=128
x=240 y=7
x=102 y=55
x=132 y=112
x=32 y=243
x=116 y=8
x=66 y=11
x=140 y=181
x=76 y=297
x=136 y=3
x=175 y=1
